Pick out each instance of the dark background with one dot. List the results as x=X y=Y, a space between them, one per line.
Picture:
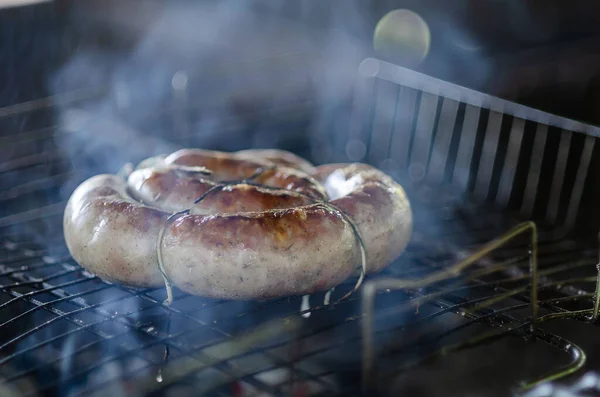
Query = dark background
x=541 y=53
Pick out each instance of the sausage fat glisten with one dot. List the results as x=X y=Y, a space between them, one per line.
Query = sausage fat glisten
x=242 y=225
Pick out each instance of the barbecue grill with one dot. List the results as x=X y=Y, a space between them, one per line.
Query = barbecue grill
x=496 y=292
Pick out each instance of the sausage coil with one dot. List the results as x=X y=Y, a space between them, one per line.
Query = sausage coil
x=244 y=225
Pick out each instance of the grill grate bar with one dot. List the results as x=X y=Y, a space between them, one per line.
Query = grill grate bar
x=403 y=125
x=509 y=169
x=535 y=170
x=359 y=119
x=34 y=282
x=33 y=293
x=488 y=156
x=422 y=136
x=577 y=193
x=28 y=255
x=383 y=123
x=28 y=136
x=37 y=185
x=559 y=175
x=443 y=137
x=33 y=214
x=44 y=158
x=46 y=262
x=461 y=177
x=52 y=101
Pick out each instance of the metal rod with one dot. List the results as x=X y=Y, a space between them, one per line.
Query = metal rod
x=596 y=310
x=578 y=361
x=368 y=292
x=59 y=99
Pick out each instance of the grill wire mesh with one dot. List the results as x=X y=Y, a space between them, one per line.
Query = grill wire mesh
x=64 y=331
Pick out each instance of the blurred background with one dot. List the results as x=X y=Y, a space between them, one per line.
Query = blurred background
x=540 y=53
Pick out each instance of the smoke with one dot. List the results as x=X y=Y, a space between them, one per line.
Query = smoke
x=231 y=76
x=214 y=75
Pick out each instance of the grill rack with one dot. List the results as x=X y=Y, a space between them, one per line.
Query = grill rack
x=57 y=291
x=447 y=134
x=44 y=284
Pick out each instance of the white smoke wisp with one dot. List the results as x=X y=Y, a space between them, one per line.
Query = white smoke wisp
x=227 y=68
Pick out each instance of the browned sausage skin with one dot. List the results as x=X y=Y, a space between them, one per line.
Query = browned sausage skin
x=241 y=241
x=112 y=235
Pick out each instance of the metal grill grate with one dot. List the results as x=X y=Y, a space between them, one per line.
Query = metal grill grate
x=62 y=330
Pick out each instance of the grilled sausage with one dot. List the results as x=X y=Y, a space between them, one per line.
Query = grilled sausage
x=276 y=235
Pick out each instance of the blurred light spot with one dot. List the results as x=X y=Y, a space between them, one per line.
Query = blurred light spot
x=416 y=172
x=355 y=150
x=179 y=80
x=403 y=35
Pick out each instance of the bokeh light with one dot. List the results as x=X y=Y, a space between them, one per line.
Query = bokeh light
x=403 y=36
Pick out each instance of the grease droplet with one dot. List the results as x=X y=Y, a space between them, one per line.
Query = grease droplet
x=305 y=305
